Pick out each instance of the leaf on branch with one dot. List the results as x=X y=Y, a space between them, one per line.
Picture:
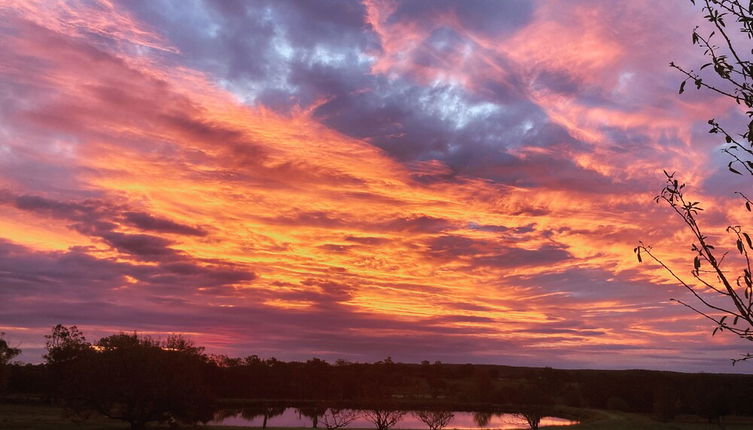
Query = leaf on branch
x=638 y=254
x=682 y=86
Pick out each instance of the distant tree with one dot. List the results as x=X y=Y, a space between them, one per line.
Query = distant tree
x=67 y=357
x=532 y=415
x=339 y=418
x=534 y=402
x=7 y=353
x=383 y=419
x=722 y=287
x=131 y=378
x=435 y=420
x=65 y=344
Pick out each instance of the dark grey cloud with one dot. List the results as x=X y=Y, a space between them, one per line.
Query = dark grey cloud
x=76 y=274
x=489 y=17
x=416 y=223
x=101 y=220
x=97 y=216
x=481 y=252
x=367 y=240
x=142 y=246
x=285 y=54
x=148 y=222
x=258 y=48
x=596 y=284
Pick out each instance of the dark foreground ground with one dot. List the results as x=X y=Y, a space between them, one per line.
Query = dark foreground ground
x=36 y=417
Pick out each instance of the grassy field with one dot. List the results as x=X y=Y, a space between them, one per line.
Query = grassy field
x=613 y=420
x=38 y=417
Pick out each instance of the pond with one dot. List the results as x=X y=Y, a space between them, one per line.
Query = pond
x=291 y=417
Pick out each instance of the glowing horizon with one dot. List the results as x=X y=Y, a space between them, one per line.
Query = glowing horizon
x=356 y=180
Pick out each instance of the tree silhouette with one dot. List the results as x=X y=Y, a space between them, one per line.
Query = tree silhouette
x=7 y=353
x=383 y=419
x=339 y=418
x=251 y=412
x=67 y=358
x=435 y=420
x=130 y=378
x=535 y=401
x=313 y=413
x=722 y=287
x=65 y=344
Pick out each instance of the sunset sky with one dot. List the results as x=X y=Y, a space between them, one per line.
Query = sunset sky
x=358 y=179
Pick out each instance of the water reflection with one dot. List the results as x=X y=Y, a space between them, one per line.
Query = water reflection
x=292 y=417
x=481 y=419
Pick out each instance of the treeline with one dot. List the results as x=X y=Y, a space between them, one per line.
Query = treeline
x=76 y=369
x=480 y=387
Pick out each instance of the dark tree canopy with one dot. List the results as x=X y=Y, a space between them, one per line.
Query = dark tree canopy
x=130 y=377
x=383 y=419
x=335 y=418
x=7 y=353
x=435 y=420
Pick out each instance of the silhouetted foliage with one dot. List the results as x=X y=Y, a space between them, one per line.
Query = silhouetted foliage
x=313 y=413
x=383 y=419
x=76 y=369
x=250 y=412
x=339 y=418
x=67 y=358
x=435 y=420
x=65 y=344
x=7 y=353
x=131 y=378
x=722 y=287
x=482 y=418
x=535 y=402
